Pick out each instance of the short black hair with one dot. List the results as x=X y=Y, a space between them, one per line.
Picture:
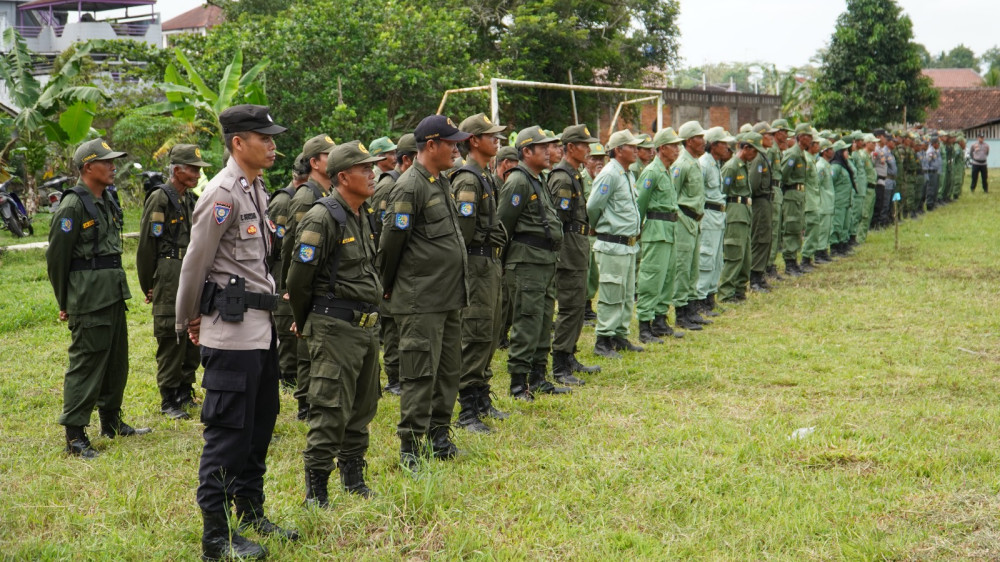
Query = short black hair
x=228 y=137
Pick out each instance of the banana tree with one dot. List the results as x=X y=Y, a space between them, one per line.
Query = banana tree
x=57 y=112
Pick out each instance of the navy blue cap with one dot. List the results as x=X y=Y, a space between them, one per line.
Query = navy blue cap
x=438 y=127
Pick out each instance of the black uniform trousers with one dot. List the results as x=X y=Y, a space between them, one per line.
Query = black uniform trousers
x=239 y=411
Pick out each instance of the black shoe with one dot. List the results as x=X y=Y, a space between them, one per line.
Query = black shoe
x=317 y=493
x=622 y=344
x=853 y=240
x=807 y=266
x=112 y=426
x=519 y=388
x=792 y=269
x=661 y=328
x=646 y=334
x=606 y=348
x=693 y=316
x=392 y=387
x=772 y=272
x=185 y=397
x=820 y=258
x=441 y=444
x=77 y=443
x=504 y=341
x=706 y=306
x=303 y=413
x=250 y=513
x=578 y=367
x=218 y=542
x=562 y=369
x=538 y=385
x=758 y=284
x=468 y=415
x=683 y=321
x=410 y=453
x=588 y=314
x=352 y=477
x=169 y=406
x=568 y=379
x=486 y=409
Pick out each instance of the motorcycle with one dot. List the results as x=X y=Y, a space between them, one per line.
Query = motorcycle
x=52 y=190
x=12 y=211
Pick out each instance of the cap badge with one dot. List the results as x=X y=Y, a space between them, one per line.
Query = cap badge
x=105 y=145
x=269 y=118
x=487 y=119
x=197 y=152
x=450 y=123
x=328 y=139
x=586 y=131
x=362 y=148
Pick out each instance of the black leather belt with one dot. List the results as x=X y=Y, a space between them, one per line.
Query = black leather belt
x=775 y=183
x=575 y=228
x=108 y=261
x=793 y=187
x=718 y=207
x=175 y=254
x=359 y=313
x=658 y=216
x=690 y=213
x=486 y=251
x=881 y=177
x=739 y=199
x=534 y=241
x=890 y=177
x=616 y=239
x=261 y=301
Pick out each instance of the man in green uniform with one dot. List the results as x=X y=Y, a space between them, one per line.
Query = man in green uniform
x=860 y=188
x=843 y=189
x=958 y=174
x=819 y=206
x=796 y=165
x=713 y=224
x=595 y=163
x=644 y=154
x=334 y=292
x=506 y=161
x=872 y=192
x=657 y=203
x=690 y=185
x=406 y=151
x=384 y=147
x=164 y=233
x=314 y=153
x=422 y=270
x=566 y=186
x=947 y=154
x=475 y=190
x=762 y=190
x=85 y=269
x=774 y=154
x=736 y=243
x=535 y=234
x=614 y=214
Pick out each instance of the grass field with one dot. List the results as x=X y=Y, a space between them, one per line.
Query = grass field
x=679 y=452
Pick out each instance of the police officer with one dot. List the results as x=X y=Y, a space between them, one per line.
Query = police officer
x=566 y=186
x=657 y=203
x=164 y=234
x=690 y=186
x=536 y=235
x=224 y=302
x=406 y=151
x=476 y=191
x=278 y=210
x=85 y=269
x=614 y=213
x=735 y=179
x=796 y=165
x=423 y=267
x=314 y=155
x=334 y=292
x=713 y=224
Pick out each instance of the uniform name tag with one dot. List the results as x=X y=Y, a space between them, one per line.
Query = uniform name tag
x=88 y=224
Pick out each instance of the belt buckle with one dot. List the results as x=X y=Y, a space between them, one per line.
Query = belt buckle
x=368 y=320
x=749 y=201
x=631 y=240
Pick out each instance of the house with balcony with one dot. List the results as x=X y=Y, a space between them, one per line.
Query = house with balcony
x=49 y=27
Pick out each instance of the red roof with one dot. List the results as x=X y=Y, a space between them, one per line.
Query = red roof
x=965 y=108
x=195 y=18
x=953 y=77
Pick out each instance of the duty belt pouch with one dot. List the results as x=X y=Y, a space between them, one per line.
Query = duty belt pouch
x=208 y=297
x=231 y=301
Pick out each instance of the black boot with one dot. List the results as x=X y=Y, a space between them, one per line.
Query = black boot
x=352 y=476
x=539 y=385
x=468 y=415
x=708 y=306
x=622 y=344
x=589 y=315
x=486 y=408
x=693 y=316
x=303 y=412
x=250 y=513
x=853 y=240
x=504 y=342
x=792 y=269
x=807 y=266
x=758 y=284
x=562 y=369
x=821 y=258
x=410 y=452
x=646 y=334
x=846 y=249
x=218 y=542
x=661 y=328
x=441 y=443
x=169 y=406
x=317 y=482
x=606 y=348
x=392 y=385
x=112 y=425
x=519 y=387
x=684 y=321
x=578 y=367
x=185 y=397
x=77 y=443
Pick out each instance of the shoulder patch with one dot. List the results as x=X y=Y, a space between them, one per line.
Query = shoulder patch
x=677 y=172
x=310 y=237
x=156 y=217
x=66 y=224
x=647 y=183
x=466 y=208
x=728 y=180
x=466 y=195
x=403 y=207
x=515 y=199
x=221 y=211
x=603 y=188
x=402 y=221
x=157 y=228
x=564 y=203
x=279 y=231
x=306 y=253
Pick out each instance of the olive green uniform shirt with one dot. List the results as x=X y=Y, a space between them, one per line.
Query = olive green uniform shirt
x=656 y=194
x=736 y=183
x=525 y=209
x=689 y=182
x=278 y=208
x=164 y=234
x=567 y=191
x=477 y=206
x=794 y=166
x=307 y=194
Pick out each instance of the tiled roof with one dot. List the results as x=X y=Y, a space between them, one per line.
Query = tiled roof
x=195 y=18
x=964 y=108
x=953 y=77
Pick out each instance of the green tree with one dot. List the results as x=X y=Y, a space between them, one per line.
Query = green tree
x=959 y=57
x=991 y=58
x=872 y=70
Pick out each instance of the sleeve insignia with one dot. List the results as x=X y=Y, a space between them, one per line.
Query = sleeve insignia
x=677 y=172
x=466 y=209
x=647 y=183
x=564 y=204
x=66 y=224
x=307 y=253
x=791 y=162
x=221 y=211
x=760 y=169
x=280 y=231
x=515 y=200
x=728 y=180
x=402 y=221
x=604 y=188
x=157 y=229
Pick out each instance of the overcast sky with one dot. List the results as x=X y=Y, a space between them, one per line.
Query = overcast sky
x=736 y=30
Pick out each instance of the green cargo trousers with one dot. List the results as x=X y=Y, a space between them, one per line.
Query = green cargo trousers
x=857 y=211
x=866 y=213
x=792 y=223
x=818 y=229
x=532 y=299
x=656 y=279
x=98 y=364
x=686 y=259
x=593 y=278
x=736 y=255
x=776 y=224
x=571 y=294
x=343 y=389
x=176 y=363
x=481 y=321
x=390 y=347
x=288 y=344
x=430 y=365
x=616 y=294
x=761 y=238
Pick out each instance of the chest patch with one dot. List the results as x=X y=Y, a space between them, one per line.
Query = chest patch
x=221 y=212
x=252 y=229
x=677 y=172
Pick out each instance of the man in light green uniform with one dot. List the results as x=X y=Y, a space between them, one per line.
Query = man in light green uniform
x=860 y=186
x=713 y=224
x=736 y=249
x=871 y=192
x=762 y=186
x=614 y=215
x=595 y=163
x=796 y=165
x=164 y=233
x=843 y=189
x=690 y=185
x=774 y=155
x=657 y=204
x=819 y=206
x=644 y=154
